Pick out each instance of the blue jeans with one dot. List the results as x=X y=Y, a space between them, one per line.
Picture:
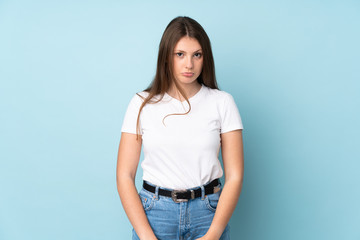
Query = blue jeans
x=180 y=221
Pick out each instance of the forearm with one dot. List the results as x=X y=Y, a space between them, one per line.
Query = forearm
x=225 y=208
x=133 y=208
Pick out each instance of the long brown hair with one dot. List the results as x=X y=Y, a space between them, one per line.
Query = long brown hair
x=179 y=27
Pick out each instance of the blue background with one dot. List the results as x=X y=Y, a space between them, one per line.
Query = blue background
x=68 y=69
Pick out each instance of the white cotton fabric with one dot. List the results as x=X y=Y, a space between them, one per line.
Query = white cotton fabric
x=183 y=151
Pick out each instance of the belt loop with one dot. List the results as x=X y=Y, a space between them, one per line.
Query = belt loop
x=202 y=192
x=156 y=192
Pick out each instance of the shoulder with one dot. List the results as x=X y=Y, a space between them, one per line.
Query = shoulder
x=139 y=97
x=142 y=95
x=218 y=95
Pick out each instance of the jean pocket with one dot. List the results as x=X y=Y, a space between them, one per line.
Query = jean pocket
x=147 y=200
x=211 y=200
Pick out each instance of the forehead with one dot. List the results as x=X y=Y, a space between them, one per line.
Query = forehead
x=187 y=44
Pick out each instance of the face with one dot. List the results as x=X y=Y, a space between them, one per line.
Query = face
x=188 y=61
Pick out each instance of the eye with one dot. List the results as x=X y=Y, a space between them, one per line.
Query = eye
x=179 y=54
x=198 y=55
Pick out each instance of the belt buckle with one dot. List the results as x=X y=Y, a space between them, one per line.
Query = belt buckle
x=174 y=197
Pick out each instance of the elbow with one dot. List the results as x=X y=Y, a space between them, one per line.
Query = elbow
x=123 y=179
x=235 y=178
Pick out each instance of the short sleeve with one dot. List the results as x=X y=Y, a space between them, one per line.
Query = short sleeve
x=130 y=119
x=230 y=116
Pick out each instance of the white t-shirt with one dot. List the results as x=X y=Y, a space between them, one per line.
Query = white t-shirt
x=182 y=152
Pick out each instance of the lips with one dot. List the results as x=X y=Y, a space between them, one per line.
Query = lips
x=187 y=74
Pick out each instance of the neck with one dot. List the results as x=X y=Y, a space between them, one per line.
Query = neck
x=189 y=89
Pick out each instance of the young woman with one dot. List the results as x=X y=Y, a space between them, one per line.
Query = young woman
x=182 y=119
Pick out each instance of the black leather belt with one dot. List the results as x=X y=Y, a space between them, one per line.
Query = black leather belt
x=184 y=195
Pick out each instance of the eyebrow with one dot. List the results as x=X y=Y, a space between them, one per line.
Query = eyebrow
x=185 y=52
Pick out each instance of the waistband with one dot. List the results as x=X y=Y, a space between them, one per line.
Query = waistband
x=184 y=195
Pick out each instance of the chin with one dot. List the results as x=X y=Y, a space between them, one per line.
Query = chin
x=187 y=81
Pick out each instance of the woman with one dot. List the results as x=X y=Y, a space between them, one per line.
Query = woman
x=182 y=119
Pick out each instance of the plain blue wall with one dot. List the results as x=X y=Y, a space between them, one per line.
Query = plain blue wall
x=69 y=68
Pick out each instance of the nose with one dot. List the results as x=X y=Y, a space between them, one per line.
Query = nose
x=189 y=63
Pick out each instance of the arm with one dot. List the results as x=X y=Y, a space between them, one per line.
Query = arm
x=233 y=159
x=127 y=162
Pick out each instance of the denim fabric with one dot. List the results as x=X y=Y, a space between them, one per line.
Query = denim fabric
x=180 y=221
